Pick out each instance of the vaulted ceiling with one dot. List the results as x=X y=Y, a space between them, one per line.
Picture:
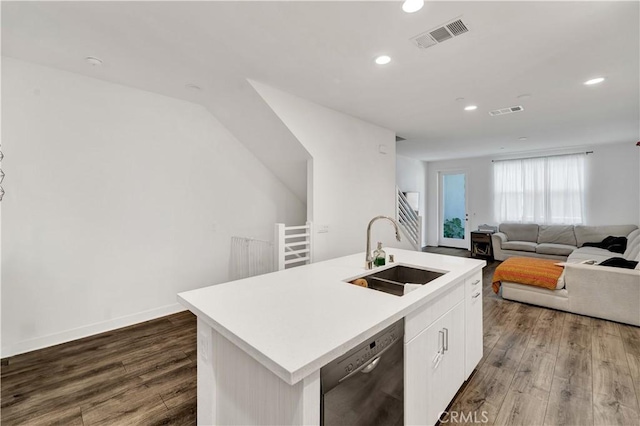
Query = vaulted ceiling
x=324 y=51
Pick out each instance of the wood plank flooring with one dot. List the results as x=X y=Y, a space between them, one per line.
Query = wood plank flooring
x=140 y=375
x=540 y=367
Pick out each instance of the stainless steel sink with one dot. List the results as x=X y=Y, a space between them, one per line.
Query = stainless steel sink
x=392 y=280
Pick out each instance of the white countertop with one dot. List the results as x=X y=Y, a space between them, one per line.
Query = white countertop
x=297 y=320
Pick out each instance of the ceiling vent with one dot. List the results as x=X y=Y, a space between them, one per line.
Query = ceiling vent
x=503 y=111
x=440 y=34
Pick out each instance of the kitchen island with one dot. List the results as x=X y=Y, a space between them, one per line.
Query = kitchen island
x=263 y=340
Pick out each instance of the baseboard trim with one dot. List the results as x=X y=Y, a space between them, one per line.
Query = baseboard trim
x=89 y=330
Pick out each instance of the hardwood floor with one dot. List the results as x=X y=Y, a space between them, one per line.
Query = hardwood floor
x=540 y=366
x=143 y=375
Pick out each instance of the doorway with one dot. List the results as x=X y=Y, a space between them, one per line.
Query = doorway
x=453 y=216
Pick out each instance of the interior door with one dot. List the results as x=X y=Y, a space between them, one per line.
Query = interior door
x=453 y=217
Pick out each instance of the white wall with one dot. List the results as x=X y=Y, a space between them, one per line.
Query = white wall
x=612 y=194
x=352 y=182
x=411 y=176
x=613 y=184
x=116 y=200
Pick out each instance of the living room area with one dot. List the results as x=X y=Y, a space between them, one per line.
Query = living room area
x=595 y=188
x=566 y=351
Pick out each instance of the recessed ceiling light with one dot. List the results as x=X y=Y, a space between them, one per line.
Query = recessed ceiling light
x=411 y=6
x=594 y=81
x=470 y=107
x=193 y=87
x=93 y=61
x=522 y=138
x=383 y=60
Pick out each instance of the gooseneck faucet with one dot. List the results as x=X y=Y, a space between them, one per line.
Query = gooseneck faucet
x=369 y=258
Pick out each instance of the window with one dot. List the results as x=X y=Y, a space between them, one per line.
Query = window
x=545 y=190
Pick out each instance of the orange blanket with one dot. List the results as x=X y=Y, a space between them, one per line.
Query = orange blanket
x=525 y=270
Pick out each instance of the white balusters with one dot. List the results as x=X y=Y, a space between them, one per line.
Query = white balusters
x=292 y=245
x=250 y=257
x=410 y=221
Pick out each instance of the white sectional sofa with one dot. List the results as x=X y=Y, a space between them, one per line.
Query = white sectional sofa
x=549 y=241
x=599 y=291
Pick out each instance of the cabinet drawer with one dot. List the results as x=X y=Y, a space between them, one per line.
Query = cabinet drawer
x=474 y=283
x=424 y=316
x=481 y=238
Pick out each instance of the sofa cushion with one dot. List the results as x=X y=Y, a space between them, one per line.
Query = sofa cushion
x=633 y=245
x=557 y=249
x=520 y=245
x=557 y=234
x=589 y=253
x=520 y=231
x=595 y=234
x=633 y=253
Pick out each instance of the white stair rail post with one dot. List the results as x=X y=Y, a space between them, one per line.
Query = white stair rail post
x=278 y=246
x=419 y=233
x=310 y=240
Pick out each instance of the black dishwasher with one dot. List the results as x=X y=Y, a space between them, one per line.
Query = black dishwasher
x=365 y=386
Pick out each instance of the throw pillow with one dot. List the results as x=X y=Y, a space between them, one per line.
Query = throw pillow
x=614 y=244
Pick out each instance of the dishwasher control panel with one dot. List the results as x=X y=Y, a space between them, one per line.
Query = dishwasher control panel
x=369 y=352
x=358 y=357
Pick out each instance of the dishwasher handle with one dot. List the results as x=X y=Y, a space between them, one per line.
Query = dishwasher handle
x=369 y=368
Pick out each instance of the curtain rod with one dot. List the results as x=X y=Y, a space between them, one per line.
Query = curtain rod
x=544 y=156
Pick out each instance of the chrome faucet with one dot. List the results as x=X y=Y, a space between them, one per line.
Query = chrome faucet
x=369 y=258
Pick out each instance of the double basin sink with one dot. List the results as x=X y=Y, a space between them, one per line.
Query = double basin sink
x=392 y=280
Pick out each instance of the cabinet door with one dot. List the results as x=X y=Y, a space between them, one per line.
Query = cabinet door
x=473 y=323
x=434 y=370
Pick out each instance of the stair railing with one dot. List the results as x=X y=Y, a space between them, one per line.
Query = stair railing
x=292 y=245
x=409 y=220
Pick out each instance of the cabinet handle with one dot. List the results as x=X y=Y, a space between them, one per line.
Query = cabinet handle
x=475 y=282
x=446 y=340
x=476 y=295
x=437 y=359
x=440 y=353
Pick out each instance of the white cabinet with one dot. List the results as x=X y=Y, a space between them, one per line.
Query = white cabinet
x=443 y=345
x=473 y=323
x=434 y=371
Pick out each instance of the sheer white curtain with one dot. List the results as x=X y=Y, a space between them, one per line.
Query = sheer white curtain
x=546 y=190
